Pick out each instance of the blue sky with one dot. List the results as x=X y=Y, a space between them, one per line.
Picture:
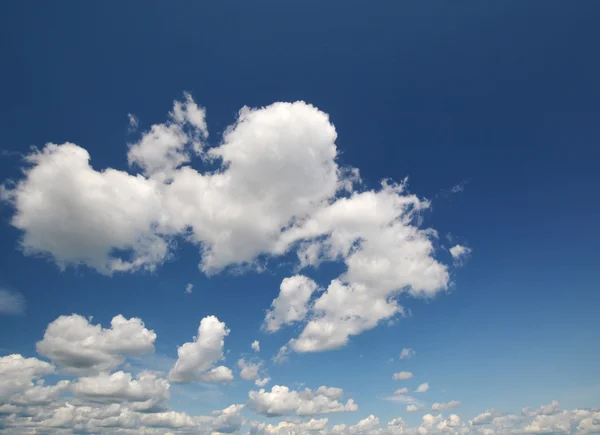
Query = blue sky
x=489 y=108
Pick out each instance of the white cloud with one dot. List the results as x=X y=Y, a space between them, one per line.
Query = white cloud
x=262 y=382
x=413 y=407
x=17 y=374
x=402 y=376
x=292 y=303
x=283 y=401
x=365 y=425
x=249 y=370
x=422 y=387
x=11 y=302
x=256 y=346
x=133 y=122
x=485 y=417
x=146 y=392
x=77 y=346
x=196 y=360
x=460 y=254
x=444 y=406
x=407 y=353
x=278 y=165
x=400 y=391
x=228 y=420
x=282 y=355
x=188 y=288
x=289 y=428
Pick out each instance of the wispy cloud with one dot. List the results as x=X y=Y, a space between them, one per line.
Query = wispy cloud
x=11 y=302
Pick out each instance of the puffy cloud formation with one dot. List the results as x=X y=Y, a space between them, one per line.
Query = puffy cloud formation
x=196 y=360
x=146 y=392
x=11 y=302
x=188 y=288
x=250 y=371
x=407 y=353
x=256 y=346
x=17 y=374
x=77 y=346
x=292 y=303
x=289 y=428
x=402 y=376
x=277 y=188
x=365 y=425
x=283 y=401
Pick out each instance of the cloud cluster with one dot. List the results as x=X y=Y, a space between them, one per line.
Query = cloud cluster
x=283 y=401
x=77 y=346
x=275 y=186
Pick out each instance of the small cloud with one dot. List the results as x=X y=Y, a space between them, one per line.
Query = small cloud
x=11 y=302
x=282 y=355
x=413 y=408
x=460 y=254
x=401 y=391
x=402 y=376
x=444 y=406
x=188 y=288
x=422 y=388
x=460 y=187
x=407 y=353
x=262 y=382
x=256 y=346
x=133 y=122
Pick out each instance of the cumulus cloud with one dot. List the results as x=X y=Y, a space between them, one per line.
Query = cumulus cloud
x=256 y=346
x=422 y=387
x=400 y=391
x=288 y=427
x=197 y=359
x=146 y=392
x=292 y=303
x=365 y=425
x=188 y=288
x=437 y=406
x=283 y=401
x=133 y=122
x=402 y=376
x=77 y=346
x=18 y=373
x=413 y=407
x=251 y=371
x=407 y=353
x=11 y=302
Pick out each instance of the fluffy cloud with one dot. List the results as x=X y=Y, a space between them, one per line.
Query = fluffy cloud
x=289 y=428
x=422 y=387
x=250 y=371
x=77 y=346
x=365 y=425
x=189 y=288
x=444 y=406
x=196 y=360
x=283 y=401
x=17 y=374
x=146 y=392
x=11 y=302
x=277 y=166
x=407 y=353
x=402 y=376
x=413 y=407
x=400 y=391
x=292 y=303
x=256 y=346
x=228 y=420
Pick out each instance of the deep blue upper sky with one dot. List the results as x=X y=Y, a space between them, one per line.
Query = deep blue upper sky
x=501 y=96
